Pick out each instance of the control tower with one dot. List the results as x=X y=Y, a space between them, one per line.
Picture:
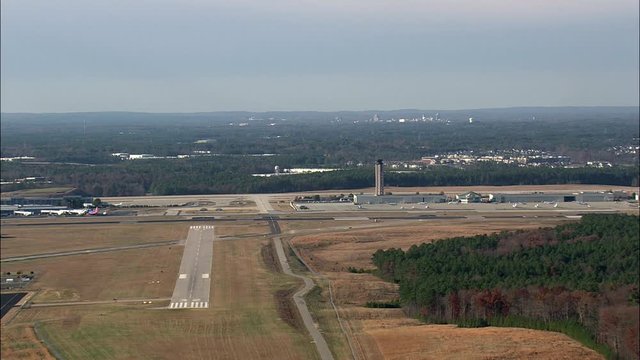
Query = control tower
x=379 y=178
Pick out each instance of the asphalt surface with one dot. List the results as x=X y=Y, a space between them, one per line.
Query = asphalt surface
x=8 y=301
x=298 y=297
x=88 y=251
x=194 y=279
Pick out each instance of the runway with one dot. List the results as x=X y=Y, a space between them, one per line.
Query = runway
x=194 y=279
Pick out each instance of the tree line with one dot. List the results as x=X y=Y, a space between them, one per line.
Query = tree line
x=233 y=175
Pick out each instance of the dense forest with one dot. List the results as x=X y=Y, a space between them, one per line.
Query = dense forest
x=580 y=278
x=226 y=175
x=225 y=148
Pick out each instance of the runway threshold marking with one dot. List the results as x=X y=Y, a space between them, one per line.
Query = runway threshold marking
x=189 y=305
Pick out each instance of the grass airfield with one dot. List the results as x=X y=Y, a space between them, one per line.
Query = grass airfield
x=108 y=314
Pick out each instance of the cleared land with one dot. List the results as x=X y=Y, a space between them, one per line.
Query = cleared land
x=399 y=340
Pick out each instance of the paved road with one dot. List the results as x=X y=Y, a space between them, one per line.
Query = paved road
x=298 y=297
x=262 y=203
x=194 y=279
x=89 y=251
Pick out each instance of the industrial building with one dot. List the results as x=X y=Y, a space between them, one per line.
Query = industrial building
x=399 y=199
x=560 y=197
x=533 y=197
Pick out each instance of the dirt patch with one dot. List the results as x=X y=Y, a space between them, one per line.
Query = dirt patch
x=21 y=343
x=357 y=289
x=283 y=298
x=287 y=309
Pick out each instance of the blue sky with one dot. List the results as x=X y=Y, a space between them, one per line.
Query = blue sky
x=208 y=55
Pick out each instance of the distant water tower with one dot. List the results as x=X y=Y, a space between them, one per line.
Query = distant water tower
x=277 y=170
x=379 y=178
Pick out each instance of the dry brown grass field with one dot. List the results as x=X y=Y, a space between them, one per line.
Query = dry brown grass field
x=103 y=276
x=246 y=319
x=335 y=251
x=396 y=339
x=25 y=240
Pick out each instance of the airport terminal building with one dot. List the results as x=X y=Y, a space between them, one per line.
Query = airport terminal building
x=559 y=197
x=398 y=199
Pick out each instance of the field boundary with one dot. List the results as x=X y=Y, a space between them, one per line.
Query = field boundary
x=45 y=341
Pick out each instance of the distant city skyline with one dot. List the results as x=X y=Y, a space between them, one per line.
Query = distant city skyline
x=284 y=55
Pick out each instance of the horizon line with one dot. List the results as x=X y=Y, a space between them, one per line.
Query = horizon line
x=325 y=111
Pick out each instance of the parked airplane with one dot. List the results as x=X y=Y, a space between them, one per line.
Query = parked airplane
x=65 y=212
x=22 y=212
x=95 y=211
x=54 y=212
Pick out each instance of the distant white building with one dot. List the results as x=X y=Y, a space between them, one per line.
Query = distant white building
x=141 y=156
x=469 y=197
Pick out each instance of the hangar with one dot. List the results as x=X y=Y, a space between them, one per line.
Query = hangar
x=399 y=199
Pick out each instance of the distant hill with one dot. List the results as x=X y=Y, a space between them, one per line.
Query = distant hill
x=489 y=114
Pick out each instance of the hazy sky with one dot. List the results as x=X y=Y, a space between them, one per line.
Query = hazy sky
x=208 y=55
